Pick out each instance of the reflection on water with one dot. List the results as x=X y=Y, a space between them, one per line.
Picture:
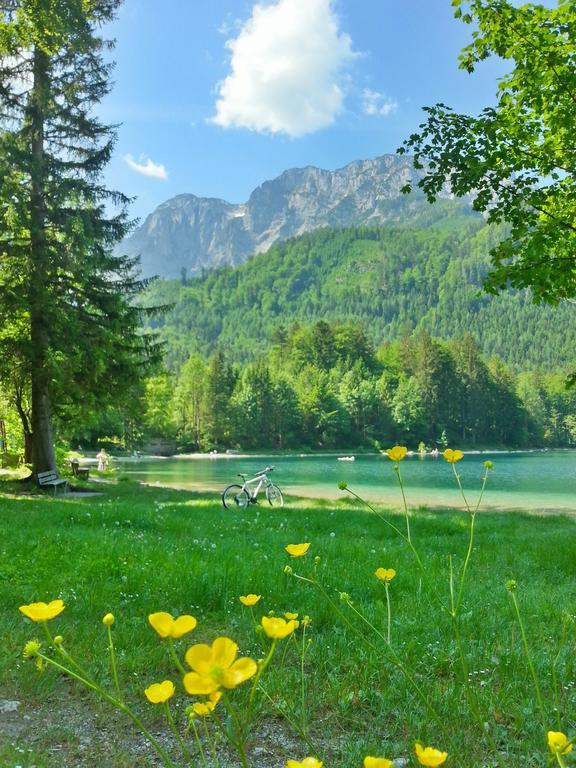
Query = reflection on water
x=528 y=480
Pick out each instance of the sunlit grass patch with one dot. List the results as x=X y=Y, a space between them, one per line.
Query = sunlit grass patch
x=138 y=551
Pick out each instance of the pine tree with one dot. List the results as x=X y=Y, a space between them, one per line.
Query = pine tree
x=63 y=290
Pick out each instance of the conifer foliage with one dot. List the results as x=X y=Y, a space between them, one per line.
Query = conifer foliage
x=67 y=322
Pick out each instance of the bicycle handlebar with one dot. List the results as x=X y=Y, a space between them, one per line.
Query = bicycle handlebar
x=257 y=474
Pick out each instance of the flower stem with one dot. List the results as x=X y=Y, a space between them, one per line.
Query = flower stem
x=174 y=729
x=261 y=669
x=389 y=612
x=115 y=703
x=297 y=728
x=303 y=681
x=199 y=743
x=113 y=662
x=529 y=658
x=240 y=731
x=174 y=657
x=211 y=743
x=413 y=549
x=406 y=512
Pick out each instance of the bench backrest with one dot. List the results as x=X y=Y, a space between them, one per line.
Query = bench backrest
x=47 y=477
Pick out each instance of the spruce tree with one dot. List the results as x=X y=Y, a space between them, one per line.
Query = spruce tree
x=66 y=312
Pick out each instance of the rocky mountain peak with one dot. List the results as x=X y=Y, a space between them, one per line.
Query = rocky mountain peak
x=193 y=233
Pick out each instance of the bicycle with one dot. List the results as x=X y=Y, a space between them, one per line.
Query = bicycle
x=238 y=496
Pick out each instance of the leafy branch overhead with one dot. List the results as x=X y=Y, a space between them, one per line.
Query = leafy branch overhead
x=515 y=158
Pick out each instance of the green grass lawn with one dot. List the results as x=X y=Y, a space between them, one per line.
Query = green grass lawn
x=136 y=550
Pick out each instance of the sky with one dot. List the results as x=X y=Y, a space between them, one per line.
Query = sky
x=214 y=97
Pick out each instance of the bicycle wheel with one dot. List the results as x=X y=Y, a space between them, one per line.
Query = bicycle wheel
x=235 y=497
x=274 y=496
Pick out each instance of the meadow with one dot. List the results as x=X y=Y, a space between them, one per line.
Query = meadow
x=136 y=550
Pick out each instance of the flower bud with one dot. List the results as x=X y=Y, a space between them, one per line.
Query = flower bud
x=288 y=570
x=489 y=464
x=58 y=640
x=31 y=649
x=511 y=585
x=342 y=485
x=108 y=620
x=317 y=560
x=345 y=597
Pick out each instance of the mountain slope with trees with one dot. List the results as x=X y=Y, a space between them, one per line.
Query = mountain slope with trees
x=393 y=281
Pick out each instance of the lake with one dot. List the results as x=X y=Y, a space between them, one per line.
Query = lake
x=533 y=480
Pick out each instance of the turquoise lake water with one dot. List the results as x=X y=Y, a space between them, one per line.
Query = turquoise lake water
x=538 y=480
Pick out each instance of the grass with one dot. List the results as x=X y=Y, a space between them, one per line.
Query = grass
x=136 y=550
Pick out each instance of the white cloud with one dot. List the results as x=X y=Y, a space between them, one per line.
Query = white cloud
x=146 y=167
x=286 y=68
x=375 y=103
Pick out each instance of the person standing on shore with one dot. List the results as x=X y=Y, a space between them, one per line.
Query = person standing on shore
x=102 y=460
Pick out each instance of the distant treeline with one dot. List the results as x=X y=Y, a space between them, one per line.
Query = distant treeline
x=325 y=386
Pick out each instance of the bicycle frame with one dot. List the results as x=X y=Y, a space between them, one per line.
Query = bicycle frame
x=262 y=480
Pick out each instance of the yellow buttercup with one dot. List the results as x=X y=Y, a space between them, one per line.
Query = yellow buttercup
x=250 y=600
x=396 y=453
x=42 y=611
x=278 y=629
x=452 y=456
x=558 y=743
x=159 y=693
x=429 y=756
x=377 y=762
x=297 y=550
x=385 y=574
x=216 y=666
x=205 y=708
x=167 y=626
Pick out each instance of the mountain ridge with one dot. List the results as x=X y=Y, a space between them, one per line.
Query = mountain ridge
x=188 y=233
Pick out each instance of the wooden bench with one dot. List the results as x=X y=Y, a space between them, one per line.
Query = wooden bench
x=82 y=473
x=50 y=478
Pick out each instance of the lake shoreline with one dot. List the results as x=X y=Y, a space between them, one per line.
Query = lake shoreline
x=384 y=499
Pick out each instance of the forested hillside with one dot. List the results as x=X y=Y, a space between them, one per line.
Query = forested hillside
x=393 y=281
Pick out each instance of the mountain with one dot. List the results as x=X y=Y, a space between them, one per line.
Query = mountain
x=391 y=280
x=194 y=233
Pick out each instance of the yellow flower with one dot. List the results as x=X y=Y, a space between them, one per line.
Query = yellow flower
x=158 y=693
x=42 y=611
x=166 y=626
x=297 y=550
x=558 y=743
x=430 y=756
x=397 y=453
x=377 y=762
x=250 y=599
x=308 y=762
x=31 y=649
x=385 y=574
x=290 y=616
x=215 y=666
x=108 y=620
x=205 y=708
x=452 y=456
x=278 y=629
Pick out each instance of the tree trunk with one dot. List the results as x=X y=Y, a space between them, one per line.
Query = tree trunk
x=25 y=421
x=43 y=455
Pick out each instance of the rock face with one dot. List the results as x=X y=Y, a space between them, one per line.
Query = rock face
x=191 y=233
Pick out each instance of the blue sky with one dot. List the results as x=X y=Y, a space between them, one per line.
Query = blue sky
x=216 y=96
